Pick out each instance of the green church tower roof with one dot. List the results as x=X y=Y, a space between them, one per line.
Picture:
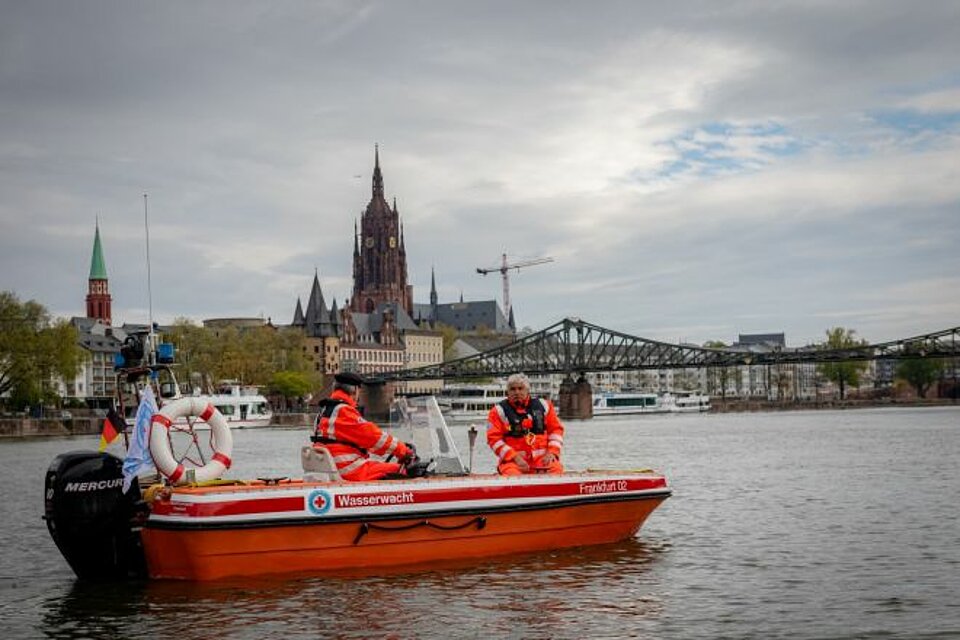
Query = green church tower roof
x=98 y=268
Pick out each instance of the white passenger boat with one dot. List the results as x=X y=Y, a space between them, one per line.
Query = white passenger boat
x=687 y=402
x=460 y=402
x=622 y=403
x=242 y=405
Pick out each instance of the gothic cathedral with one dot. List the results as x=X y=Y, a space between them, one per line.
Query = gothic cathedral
x=379 y=254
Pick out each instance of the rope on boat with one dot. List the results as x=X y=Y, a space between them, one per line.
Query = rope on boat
x=154 y=491
x=365 y=528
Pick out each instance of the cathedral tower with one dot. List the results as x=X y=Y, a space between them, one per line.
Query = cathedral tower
x=379 y=254
x=98 y=289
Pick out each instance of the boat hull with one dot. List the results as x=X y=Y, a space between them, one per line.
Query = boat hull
x=200 y=535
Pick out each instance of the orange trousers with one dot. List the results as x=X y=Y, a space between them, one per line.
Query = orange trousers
x=512 y=469
x=371 y=470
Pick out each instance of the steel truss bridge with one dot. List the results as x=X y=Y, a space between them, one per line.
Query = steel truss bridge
x=573 y=346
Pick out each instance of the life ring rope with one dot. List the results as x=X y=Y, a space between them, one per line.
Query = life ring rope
x=162 y=452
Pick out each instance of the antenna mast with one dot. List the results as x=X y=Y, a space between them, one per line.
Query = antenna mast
x=146 y=225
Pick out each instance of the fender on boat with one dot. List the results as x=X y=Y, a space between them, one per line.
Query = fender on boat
x=162 y=453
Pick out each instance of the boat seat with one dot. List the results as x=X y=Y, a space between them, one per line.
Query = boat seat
x=318 y=465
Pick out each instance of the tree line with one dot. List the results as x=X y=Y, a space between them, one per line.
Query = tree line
x=36 y=349
x=919 y=372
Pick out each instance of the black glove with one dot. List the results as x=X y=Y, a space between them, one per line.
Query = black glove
x=417 y=468
x=412 y=455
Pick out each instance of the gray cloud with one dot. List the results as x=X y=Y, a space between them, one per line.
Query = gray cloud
x=697 y=170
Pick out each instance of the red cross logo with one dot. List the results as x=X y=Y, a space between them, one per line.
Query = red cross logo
x=319 y=502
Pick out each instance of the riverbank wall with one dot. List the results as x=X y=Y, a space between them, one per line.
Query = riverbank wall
x=719 y=405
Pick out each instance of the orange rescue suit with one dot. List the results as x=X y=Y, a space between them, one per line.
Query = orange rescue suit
x=511 y=439
x=350 y=439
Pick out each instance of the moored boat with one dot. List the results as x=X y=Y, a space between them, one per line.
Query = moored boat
x=460 y=402
x=195 y=525
x=687 y=402
x=629 y=403
x=621 y=403
x=242 y=406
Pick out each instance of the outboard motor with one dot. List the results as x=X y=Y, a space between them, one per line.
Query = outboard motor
x=94 y=523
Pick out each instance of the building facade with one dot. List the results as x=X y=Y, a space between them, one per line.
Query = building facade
x=480 y=316
x=321 y=329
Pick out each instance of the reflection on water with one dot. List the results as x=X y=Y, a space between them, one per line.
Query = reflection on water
x=93 y=611
x=601 y=589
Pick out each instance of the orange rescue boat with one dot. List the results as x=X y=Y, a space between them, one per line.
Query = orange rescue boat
x=320 y=524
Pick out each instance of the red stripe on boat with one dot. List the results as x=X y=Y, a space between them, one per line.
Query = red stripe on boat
x=231 y=508
x=222 y=458
x=205 y=416
x=162 y=419
x=176 y=473
x=389 y=499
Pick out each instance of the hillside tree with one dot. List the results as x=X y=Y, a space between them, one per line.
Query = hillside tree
x=34 y=349
x=918 y=371
x=843 y=374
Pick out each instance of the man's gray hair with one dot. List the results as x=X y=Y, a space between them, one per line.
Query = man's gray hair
x=519 y=378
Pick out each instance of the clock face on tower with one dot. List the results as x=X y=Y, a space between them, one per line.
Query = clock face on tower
x=369 y=242
x=393 y=242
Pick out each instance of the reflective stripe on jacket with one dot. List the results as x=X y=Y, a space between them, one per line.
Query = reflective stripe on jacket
x=350 y=438
x=506 y=447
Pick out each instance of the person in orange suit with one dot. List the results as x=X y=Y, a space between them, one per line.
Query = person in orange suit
x=350 y=438
x=524 y=432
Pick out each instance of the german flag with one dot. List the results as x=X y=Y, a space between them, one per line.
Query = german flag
x=113 y=426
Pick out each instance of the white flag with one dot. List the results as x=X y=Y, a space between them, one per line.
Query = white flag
x=138 y=458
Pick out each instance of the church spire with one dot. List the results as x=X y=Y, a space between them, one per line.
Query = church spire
x=433 y=295
x=98 y=268
x=379 y=256
x=377 y=176
x=317 y=313
x=298 y=320
x=99 y=300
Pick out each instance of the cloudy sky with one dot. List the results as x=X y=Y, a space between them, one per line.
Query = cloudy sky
x=696 y=171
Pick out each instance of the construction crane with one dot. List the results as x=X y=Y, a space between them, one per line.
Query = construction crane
x=504 y=268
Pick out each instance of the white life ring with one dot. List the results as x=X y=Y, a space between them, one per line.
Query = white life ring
x=160 y=442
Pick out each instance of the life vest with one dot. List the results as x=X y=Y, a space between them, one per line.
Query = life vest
x=535 y=411
x=328 y=407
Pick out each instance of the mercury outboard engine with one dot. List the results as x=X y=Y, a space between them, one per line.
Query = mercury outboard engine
x=94 y=523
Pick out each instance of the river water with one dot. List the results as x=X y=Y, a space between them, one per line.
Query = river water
x=816 y=524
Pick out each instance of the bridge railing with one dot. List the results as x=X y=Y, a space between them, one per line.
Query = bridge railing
x=574 y=346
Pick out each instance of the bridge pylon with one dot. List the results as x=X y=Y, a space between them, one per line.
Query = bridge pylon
x=575 y=400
